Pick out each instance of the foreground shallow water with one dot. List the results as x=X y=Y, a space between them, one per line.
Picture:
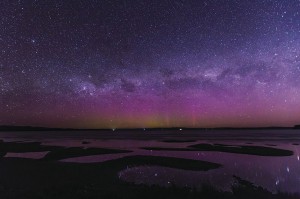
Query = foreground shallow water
x=274 y=172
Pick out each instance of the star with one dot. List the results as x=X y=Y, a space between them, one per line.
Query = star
x=187 y=70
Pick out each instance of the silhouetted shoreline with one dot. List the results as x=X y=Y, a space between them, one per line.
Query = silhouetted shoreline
x=37 y=128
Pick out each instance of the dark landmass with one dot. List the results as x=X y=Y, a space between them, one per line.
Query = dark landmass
x=177 y=163
x=23 y=147
x=2 y=154
x=178 y=141
x=32 y=128
x=59 y=153
x=250 y=150
x=78 y=152
x=271 y=145
x=54 y=152
x=32 y=179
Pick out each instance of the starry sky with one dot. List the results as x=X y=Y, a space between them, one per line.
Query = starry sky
x=150 y=63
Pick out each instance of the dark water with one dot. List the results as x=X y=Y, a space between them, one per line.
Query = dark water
x=276 y=173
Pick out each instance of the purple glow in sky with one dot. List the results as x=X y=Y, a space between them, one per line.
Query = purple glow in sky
x=120 y=64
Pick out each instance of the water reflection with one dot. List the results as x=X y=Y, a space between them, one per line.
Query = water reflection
x=272 y=172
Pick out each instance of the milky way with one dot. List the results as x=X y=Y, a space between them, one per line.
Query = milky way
x=164 y=63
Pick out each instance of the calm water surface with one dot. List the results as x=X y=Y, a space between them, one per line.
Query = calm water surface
x=273 y=173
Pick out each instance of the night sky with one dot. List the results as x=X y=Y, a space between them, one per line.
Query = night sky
x=150 y=63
